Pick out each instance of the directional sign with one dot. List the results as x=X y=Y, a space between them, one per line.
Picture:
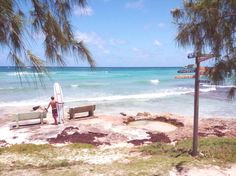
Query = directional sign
x=202 y=57
x=191 y=55
x=205 y=57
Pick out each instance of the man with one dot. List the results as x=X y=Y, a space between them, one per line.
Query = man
x=53 y=103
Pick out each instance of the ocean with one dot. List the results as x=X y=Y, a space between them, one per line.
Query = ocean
x=116 y=90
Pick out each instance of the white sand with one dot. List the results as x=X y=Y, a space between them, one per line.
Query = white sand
x=153 y=126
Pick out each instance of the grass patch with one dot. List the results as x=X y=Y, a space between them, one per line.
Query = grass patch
x=219 y=148
x=160 y=160
x=60 y=163
x=215 y=150
x=153 y=165
x=33 y=148
x=212 y=148
x=26 y=148
x=80 y=146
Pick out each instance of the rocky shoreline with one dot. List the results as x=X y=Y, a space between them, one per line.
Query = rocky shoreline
x=109 y=130
x=207 y=127
x=115 y=143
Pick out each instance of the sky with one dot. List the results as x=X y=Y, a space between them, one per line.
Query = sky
x=124 y=33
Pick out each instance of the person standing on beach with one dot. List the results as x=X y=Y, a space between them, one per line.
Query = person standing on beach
x=53 y=103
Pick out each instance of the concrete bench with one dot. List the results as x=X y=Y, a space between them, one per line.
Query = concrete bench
x=29 y=116
x=90 y=109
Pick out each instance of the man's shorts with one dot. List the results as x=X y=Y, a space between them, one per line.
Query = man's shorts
x=54 y=113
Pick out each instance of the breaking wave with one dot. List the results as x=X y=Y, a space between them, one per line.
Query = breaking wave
x=155 y=81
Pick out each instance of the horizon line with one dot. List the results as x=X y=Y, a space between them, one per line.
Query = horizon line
x=99 y=66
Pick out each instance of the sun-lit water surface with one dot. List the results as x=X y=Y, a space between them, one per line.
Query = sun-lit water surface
x=116 y=90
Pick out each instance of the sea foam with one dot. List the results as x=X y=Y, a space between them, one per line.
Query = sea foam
x=155 y=81
x=208 y=89
x=74 y=85
x=25 y=73
x=148 y=96
x=217 y=86
x=163 y=94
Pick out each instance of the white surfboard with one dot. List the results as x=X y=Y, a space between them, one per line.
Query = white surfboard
x=58 y=95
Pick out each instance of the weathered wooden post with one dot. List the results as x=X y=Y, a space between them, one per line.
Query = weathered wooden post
x=196 y=109
x=198 y=59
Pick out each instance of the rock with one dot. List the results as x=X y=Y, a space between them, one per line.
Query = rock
x=154 y=137
x=3 y=143
x=220 y=127
x=123 y=114
x=146 y=114
x=172 y=121
x=129 y=119
x=139 y=114
x=112 y=138
x=201 y=154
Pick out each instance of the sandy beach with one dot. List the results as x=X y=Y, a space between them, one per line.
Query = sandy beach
x=116 y=132
x=131 y=127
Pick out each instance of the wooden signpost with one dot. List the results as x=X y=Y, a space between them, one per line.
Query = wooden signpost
x=198 y=60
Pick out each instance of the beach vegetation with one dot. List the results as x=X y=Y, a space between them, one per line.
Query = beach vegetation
x=19 y=25
x=150 y=159
x=80 y=145
x=222 y=150
x=26 y=148
x=209 y=27
x=34 y=148
x=57 y=164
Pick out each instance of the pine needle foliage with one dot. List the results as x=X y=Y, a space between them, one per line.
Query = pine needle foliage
x=50 y=17
x=210 y=26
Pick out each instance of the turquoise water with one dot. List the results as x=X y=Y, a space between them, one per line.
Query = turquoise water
x=116 y=90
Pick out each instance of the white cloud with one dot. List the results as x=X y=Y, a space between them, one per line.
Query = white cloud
x=94 y=39
x=116 y=42
x=157 y=43
x=86 y=11
x=138 y=4
x=140 y=53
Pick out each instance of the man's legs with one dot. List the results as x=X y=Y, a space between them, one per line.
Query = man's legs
x=55 y=120
x=55 y=115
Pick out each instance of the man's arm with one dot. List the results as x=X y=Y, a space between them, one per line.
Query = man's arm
x=48 y=105
x=59 y=103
